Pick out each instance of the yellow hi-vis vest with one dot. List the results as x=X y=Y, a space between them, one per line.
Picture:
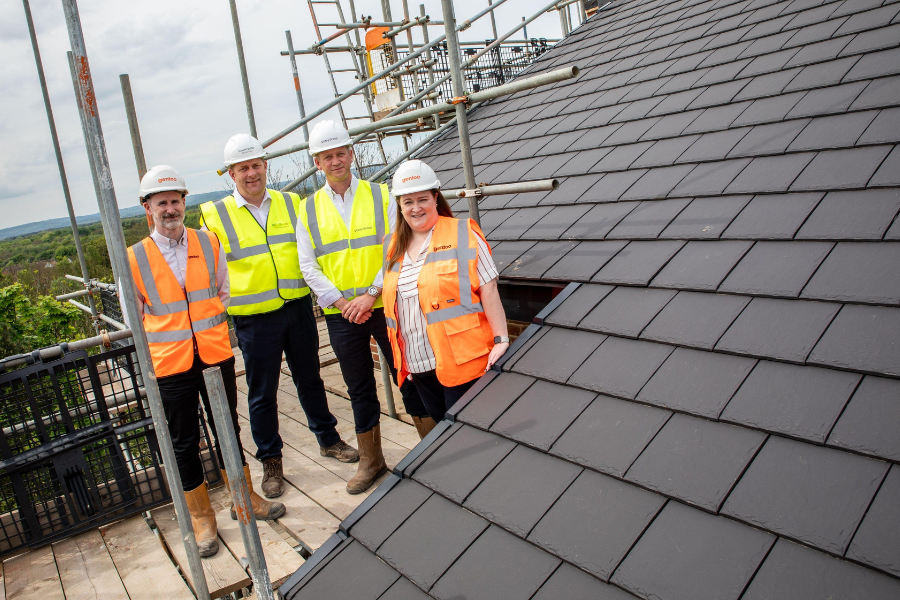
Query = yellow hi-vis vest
x=263 y=267
x=349 y=259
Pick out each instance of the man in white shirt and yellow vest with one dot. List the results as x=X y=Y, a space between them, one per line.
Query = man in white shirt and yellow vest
x=339 y=241
x=182 y=291
x=270 y=307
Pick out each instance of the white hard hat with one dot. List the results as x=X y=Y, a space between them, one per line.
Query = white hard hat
x=327 y=135
x=241 y=147
x=161 y=178
x=414 y=176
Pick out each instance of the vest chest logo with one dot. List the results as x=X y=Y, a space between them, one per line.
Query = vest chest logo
x=193 y=256
x=437 y=248
x=279 y=224
x=364 y=228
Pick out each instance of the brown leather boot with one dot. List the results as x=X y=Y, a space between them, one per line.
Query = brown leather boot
x=273 y=477
x=263 y=509
x=371 y=461
x=423 y=425
x=342 y=451
x=203 y=520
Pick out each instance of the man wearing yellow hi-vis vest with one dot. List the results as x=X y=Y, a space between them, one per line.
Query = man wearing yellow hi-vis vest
x=339 y=240
x=270 y=306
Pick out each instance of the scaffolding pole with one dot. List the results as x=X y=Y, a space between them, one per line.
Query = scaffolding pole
x=133 y=128
x=244 y=79
x=59 y=163
x=115 y=239
x=290 y=43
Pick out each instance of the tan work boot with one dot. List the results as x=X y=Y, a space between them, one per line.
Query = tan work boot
x=342 y=451
x=424 y=425
x=273 y=477
x=371 y=461
x=263 y=509
x=203 y=520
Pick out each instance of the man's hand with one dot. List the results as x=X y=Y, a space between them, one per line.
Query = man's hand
x=359 y=309
x=496 y=352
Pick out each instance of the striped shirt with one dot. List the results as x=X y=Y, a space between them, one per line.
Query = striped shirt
x=411 y=321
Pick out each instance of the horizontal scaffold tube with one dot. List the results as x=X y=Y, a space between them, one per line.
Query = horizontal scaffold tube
x=57 y=351
x=521 y=187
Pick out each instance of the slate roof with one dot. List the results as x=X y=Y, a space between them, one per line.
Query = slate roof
x=712 y=408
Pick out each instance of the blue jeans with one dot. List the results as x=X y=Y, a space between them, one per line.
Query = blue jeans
x=350 y=343
x=263 y=338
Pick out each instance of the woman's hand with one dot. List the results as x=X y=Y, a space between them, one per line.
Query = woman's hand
x=496 y=352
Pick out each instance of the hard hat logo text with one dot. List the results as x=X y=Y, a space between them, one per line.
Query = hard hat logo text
x=410 y=178
x=167 y=179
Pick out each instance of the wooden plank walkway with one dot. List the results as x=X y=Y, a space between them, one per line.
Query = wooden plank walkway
x=129 y=560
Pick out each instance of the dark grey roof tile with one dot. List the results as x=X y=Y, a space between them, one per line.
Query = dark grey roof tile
x=649 y=219
x=621 y=157
x=574 y=584
x=722 y=73
x=542 y=413
x=878 y=93
x=763 y=86
x=490 y=220
x=876 y=64
x=711 y=179
x=514 y=226
x=877 y=39
x=560 y=143
x=583 y=162
x=888 y=173
x=860 y=5
x=403 y=590
x=770 y=173
x=821 y=75
x=637 y=109
x=769 y=139
x=553 y=224
x=696 y=382
x=638 y=262
x=776 y=268
x=701 y=265
x=686 y=75
x=858 y=272
x=610 y=434
x=459 y=465
x=768 y=110
x=794 y=572
x=626 y=311
x=802 y=402
x=550 y=167
x=611 y=187
x=695 y=319
x=695 y=460
x=354 y=573
x=869 y=19
x=611 y=516
x=812 y=494
x=630 y=132
x=494 y=400
x=884 y=129
x=683 y=542
x=535 y=261
x=579 y=304
x=773 y=216
x=620 y=367
x=497 y=565
x=782 y=329
x=841 y=169
x=827 y=101
x=598 y=125
x=674 y=103
x=705 y=218
x=558 y=354
x=713 y=146
x=839 y=131
x=570 y=189
x=584 y=260
x=716 y=118
x=877 y=542
x=389 y=513
x=767 y=63
x=871 y=420
x=819 y=51
x=509 y=498
x=506 y=252
x=665 y=152
x=430 y=540
x=862 y=338
x=725 y=54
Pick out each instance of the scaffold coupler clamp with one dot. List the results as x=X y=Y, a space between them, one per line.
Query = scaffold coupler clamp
x=469 y=193
x=107 y=343
x=459 y=100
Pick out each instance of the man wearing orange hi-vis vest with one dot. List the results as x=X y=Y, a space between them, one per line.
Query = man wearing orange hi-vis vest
x=183 y=291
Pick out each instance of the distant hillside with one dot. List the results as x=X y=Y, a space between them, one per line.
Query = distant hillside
x=131 y=211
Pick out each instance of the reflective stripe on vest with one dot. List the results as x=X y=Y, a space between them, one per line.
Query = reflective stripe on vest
x=264 y=270
x=198 y=314
x=462 y=254
x=341 y=245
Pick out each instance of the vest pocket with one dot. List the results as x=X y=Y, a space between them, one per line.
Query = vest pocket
x=446 y=274
x=466 y=340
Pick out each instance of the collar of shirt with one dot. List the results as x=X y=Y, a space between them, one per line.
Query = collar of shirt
x=241 y=201
x=354 y=183
x=165 y=242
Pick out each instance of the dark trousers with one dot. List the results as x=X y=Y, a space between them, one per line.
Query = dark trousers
x=437 y=397
x=350 y=342
x=181 y=396
x=290 y=330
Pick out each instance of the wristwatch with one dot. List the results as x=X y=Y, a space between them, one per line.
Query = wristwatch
x=374 y=291
x=501 y=340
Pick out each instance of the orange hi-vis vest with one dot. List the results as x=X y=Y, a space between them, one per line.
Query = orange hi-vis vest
x=456 y=325
x=176 y=319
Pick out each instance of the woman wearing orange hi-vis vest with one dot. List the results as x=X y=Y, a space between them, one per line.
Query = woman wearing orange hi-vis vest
x=445 y=320
x=183 y=291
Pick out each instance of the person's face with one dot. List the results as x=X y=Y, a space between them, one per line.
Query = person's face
x=166 y=209
x=419 y=209
x=335 y=163
x=249 y=176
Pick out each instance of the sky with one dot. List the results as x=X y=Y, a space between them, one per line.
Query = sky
x=182 y=62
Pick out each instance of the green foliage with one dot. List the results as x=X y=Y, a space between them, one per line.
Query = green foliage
x=26 y=325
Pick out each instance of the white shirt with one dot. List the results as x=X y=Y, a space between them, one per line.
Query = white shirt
x=411 y=322
x=175 y=254
x=326 y=292
x=261 y=214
